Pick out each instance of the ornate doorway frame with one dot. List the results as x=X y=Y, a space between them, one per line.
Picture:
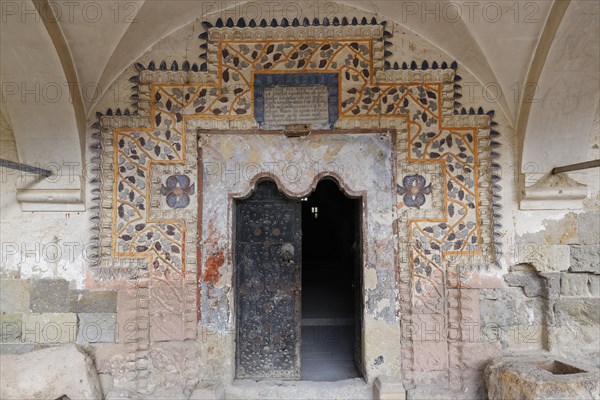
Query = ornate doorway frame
x=149 y=234
x=362 y=163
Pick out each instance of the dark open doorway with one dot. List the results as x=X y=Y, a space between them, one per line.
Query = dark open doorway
x=331 y=285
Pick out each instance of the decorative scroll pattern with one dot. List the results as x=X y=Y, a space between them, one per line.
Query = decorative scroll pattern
x=233 y=64
x=154 y=201
x=135 y=232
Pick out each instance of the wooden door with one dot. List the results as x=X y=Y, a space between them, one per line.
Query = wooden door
x=358 y=287
x=268 y=250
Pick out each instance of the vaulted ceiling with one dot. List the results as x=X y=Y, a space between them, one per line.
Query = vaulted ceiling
x=551 y=45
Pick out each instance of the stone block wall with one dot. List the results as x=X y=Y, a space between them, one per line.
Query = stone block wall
x=37 y=313
x=551 y=298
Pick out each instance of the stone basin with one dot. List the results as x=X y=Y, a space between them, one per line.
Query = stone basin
x=541 y=377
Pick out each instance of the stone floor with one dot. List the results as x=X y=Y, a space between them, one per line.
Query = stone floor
x=327 y=349
x=327 y=353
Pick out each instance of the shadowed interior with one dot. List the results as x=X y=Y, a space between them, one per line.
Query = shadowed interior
x=330 y=280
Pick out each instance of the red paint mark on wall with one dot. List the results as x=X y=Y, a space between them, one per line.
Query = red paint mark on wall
x=211 y=269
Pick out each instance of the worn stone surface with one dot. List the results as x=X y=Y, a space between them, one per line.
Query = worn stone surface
x=580 y=285
x=117 y=360
x=551 y=285
x=433 y=393
x=528 y=280
x=464 y=315
x=14 y=295
x=510 y=308
x=174 y=364
x=578 y=340
x=589 y=227
x=544 y=258
x=511 y=318
x=122 y=394
x=208 y=391
x=529 y=378
x=535 y=284
x=50 y=296
x=581 y=312
x=96 y=327
x=17 y=348
x=84 y=301
x=573 y=331
x=355 y=389
x=106 y=382
x=49 y=328
x=111 y=358
x=582 y=342
x=473 y=385
x=585 y=258
x=169 y=365
x=168 y=392
x=430 y=378
x=524 y=337
x=169 y=313
x=475 y=356
x=58 y=371
x=159 y=393
x=430 y=355
x=499 y=310
x=388 y=388
x=425 y=327
x=127 y=322
x=467 y=362
x=10 y=324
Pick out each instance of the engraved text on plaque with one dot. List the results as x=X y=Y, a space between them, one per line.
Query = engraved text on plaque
x=296 y=105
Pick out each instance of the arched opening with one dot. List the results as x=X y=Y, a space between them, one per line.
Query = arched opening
x=331 y=285
x=298 y=284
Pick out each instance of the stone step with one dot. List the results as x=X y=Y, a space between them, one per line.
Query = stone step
x=356 y=389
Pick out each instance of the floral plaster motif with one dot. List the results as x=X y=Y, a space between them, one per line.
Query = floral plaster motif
x=177 y=191
x=414 y=190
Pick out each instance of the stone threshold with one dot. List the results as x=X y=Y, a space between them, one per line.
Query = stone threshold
x=356 y=389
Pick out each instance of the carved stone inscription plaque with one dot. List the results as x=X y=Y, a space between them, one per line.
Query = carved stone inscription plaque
x=296 y=105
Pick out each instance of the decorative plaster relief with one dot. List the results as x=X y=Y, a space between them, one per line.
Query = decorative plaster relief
x=447 y=242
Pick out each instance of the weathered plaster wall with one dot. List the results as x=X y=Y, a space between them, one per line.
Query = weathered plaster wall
x=552 y=302
x=39 y=245
x=42 y=272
